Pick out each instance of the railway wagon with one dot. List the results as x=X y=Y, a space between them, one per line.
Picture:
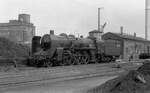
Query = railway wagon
x=55 y=50
x=112 y=50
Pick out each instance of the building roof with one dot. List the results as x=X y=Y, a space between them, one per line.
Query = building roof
x=15 y=23
x=128 y=37
x=95 y=31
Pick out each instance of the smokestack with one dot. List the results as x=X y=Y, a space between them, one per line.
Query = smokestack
x=99 y=19
x=51 y=32
x=147 y=18
x=121 y=30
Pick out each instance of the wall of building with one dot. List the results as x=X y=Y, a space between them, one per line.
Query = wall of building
x=17 y=30
x=19 y=33
x=133 y=48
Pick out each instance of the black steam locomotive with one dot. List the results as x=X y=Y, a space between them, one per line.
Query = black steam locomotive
x=59 y=50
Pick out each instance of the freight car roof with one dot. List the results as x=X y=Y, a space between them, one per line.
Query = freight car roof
x=125 y=36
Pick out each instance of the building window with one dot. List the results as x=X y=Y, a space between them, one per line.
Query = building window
x=118 y=45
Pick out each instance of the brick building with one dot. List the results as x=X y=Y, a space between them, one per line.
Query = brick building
x=20 y=31
x=129 y=44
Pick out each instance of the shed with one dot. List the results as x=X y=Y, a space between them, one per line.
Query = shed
x=96 y=34
x=131 y=45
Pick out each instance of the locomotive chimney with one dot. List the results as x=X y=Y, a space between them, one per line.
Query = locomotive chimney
x=81 y=36
x=51 y=32
x=121 y=30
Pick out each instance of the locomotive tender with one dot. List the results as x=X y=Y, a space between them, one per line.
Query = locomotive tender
x=58 y=50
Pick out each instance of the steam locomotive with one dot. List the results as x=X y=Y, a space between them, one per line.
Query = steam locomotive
x=60 y=50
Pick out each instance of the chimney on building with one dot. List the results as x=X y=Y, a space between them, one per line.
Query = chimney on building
x=134 y=34
x=121 y=30
x=51 y=32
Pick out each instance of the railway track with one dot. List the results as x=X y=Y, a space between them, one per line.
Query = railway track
x=35 y=77
x=30 y=82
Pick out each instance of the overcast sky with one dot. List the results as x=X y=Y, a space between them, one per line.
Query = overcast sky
x=77 y=16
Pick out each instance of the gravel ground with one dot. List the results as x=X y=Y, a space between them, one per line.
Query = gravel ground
x=136 y=81
x=65 y=72
x=22 y=74
x=69 y=86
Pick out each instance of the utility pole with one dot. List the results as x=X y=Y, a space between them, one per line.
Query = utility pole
x=99 y=24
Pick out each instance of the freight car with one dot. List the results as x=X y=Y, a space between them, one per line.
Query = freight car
x=54 y=50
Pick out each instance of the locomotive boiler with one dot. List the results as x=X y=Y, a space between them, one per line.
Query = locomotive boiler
x=58 y=50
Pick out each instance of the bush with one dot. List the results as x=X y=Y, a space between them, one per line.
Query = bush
x=9 y=49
